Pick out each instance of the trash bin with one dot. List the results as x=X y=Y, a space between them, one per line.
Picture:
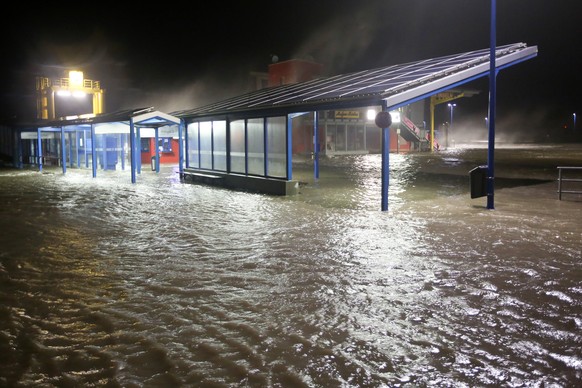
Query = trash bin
x=478 y=177
x=154 y=163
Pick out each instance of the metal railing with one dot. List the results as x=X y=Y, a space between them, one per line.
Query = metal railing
x=45 y=82
x=561 y=180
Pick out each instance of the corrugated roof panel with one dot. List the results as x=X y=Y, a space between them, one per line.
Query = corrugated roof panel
x=363 y=86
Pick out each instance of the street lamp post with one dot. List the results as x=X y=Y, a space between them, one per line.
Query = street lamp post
x=574 y=114
x=492 y=97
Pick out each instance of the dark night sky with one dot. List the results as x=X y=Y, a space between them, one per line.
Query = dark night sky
x=172 y=57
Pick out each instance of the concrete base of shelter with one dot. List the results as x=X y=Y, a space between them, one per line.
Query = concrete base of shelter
x=256 y=184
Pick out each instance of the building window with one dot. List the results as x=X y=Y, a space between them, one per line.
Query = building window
x=165 y=144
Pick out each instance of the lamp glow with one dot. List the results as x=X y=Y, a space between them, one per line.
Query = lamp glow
x=76 y=78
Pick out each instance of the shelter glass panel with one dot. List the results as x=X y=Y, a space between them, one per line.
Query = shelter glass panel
x=256 y=144
x=237 y=146
x=355 y=136
x=277 y=146
x=193 y=146
x=206 y=144
x=219 y=145
x=337 y=137
x=83 y=147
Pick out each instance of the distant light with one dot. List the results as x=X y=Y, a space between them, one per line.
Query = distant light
x=79 y=94
x=395 y=116
x=64 y=93
x=76 y=78
x=371 y=115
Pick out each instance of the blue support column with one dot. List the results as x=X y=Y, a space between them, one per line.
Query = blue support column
x=289 y=148
x=63 y=150
x=137 y=148
x=186 y=145
x=39 y=148
x=385 y=162
x=85 y=148
x=315 y=146
x=228 y=146
x=492 y=92
x=157 y=157
x=132 y=148
x=180 y=148
x=93 y=151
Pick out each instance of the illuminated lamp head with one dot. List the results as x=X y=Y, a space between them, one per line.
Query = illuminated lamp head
x=76 y=78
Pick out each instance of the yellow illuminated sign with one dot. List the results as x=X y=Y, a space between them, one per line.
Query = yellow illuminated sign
x=347 y=114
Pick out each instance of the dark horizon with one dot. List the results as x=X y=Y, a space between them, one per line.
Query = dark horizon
x=182 y=62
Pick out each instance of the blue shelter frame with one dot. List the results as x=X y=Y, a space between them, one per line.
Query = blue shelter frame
x=251 y=135
x=96 y=141
x=213 y=148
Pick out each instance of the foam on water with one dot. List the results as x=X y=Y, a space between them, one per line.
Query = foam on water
x=162 y=283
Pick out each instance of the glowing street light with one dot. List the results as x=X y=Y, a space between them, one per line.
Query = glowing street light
x=452 y=107
x=574 y=114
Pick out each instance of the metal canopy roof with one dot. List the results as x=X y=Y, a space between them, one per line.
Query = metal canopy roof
x=397 y=84
x=142 y=117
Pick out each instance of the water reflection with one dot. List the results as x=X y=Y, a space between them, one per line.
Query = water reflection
x=168 y=284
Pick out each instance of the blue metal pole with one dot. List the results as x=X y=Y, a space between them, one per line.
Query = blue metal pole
x=132 y=147
x=180 y=148
x=39 y=148
x=186 y=144
x=492 y=92
x=136 y=150
x=93 y=151
x=315 y=146
x=385 y=161
x=157 y=157
x=63 y=150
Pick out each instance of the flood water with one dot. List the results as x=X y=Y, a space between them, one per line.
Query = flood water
x=169 y=284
